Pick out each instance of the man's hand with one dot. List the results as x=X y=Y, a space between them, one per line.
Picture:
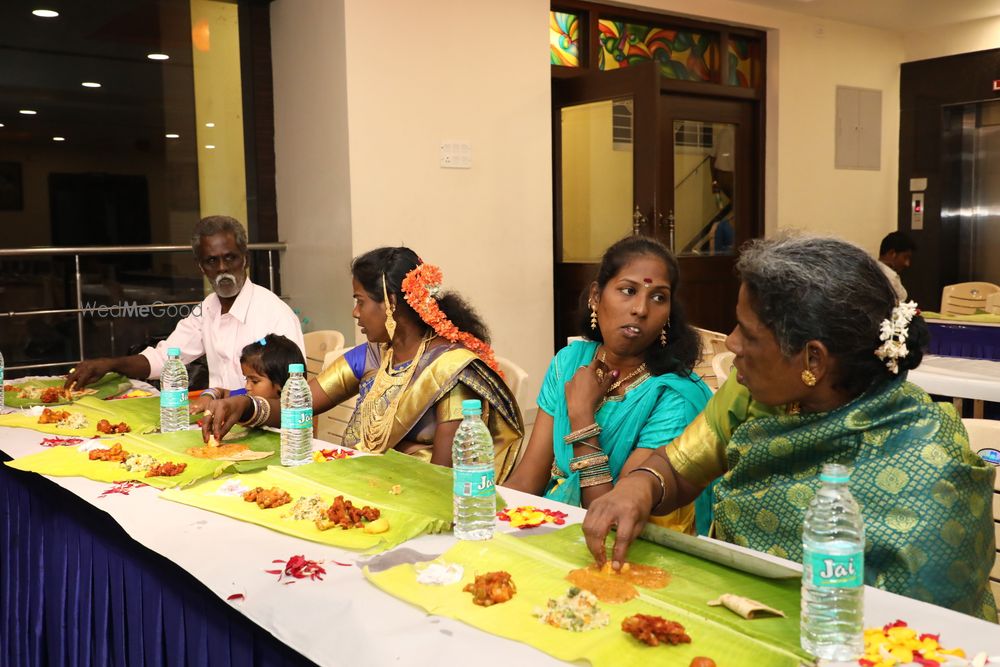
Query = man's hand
x=87 y=372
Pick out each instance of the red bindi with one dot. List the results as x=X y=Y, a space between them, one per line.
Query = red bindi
x=647 y=280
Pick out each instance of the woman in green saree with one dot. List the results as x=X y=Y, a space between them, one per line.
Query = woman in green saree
x=427 y=351
x=607 y=401
x=822 y=348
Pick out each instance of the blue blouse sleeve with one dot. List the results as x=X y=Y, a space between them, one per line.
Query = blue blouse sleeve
x=355 y=358
x=671 y=416
x=552 y=395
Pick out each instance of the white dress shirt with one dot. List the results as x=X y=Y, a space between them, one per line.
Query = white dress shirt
x=894 y=280
x=255 y=313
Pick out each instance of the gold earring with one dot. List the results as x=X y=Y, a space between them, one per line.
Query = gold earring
x=808 y=378
x=390 y=322
x=593 y=317
x=663 y=336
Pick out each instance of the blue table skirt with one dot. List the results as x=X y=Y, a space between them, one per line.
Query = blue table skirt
x=957 y=340
x=75 y=589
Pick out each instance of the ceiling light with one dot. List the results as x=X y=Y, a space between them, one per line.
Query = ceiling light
x=45 y=13
x=209 y=124
x=90 y=84
x=210 y=146
x=1 y=124
x=158 y=56
x=58 y=138
x=171 y=135
x=27 y=112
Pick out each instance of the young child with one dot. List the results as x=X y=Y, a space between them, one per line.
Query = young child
x=265 y=367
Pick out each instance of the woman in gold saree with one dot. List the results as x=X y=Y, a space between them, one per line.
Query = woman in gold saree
x=427 y=351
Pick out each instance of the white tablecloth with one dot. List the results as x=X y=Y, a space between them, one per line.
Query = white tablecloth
x=344 y=620
x=977 y=379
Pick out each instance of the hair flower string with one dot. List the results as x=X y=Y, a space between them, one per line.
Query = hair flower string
x=422 y=289
x=893 y=333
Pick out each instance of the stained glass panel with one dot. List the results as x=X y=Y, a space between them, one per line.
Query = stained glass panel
x=742 y=62
x=681 y=54
x=564 y=39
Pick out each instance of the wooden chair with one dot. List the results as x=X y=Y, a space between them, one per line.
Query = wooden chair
x=966 y=298
x=330 y=425
x=993 y=303
x=712 y=343
x=515 y=377
x=318 y=345
x=722 y=363
x=985 y=434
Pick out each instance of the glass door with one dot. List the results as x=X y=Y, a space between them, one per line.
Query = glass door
x=710 y=188
x=606 y=170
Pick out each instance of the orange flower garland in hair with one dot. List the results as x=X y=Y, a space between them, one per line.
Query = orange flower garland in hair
x=420 y=288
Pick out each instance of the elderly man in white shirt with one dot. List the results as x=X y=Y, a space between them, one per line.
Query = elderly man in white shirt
x=236 y=314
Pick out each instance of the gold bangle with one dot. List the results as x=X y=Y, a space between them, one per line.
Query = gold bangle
x=659 y=477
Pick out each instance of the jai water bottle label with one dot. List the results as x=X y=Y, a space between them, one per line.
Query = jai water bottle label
x=297 y=418
x=836 y=570
x=174 y=398
x=474 y=483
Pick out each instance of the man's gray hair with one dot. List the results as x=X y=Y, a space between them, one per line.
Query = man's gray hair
x=219 y=224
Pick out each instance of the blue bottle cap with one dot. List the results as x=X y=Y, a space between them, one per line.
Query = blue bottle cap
x=296 y=368
x=835 y=473
x=173 y=351
x=472 y=407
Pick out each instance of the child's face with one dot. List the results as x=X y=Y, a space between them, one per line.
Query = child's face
x=259 y=384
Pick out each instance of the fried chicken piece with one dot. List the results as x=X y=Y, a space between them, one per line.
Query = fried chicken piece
x=343 y=513
x=113 y=453
x=491 y=588
x=652 y=630
x=166 y=469
x=104 y=426
x=267 y=498
x=53 y=395
x=50 y=416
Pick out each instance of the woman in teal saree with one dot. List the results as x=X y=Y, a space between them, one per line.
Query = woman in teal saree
x=606 y=402
x=822 y=348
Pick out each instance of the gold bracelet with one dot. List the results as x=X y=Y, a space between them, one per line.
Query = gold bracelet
x=587 y=443
x=597 y=480
x=591 y=461
x=583 y=433
x=659 y=477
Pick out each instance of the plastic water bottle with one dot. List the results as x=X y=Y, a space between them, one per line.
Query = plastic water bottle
x=296 y=418
x=833 y=564
x=2 y=392
x=472 y=466
x=173 y=393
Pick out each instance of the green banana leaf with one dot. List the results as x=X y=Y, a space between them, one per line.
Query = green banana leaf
x=111 y=384
x=538 y=566
x=403 y=525
x=68 y=461
x=141 y=414
x=180 y=441
x=424 y=488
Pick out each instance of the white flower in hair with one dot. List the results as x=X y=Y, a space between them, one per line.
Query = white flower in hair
x=893 y=333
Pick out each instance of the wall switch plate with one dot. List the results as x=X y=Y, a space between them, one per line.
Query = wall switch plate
x=456 y=155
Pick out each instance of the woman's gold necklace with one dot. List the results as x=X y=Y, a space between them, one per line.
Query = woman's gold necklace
x=377 y=427
x=618 y=383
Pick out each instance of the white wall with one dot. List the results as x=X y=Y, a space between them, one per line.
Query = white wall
x=359 y=122
x=468 y=71
x=311 y=152
x=952 y=39
x=807 y=59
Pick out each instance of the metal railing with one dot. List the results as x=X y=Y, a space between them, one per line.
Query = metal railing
x=77 y=252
